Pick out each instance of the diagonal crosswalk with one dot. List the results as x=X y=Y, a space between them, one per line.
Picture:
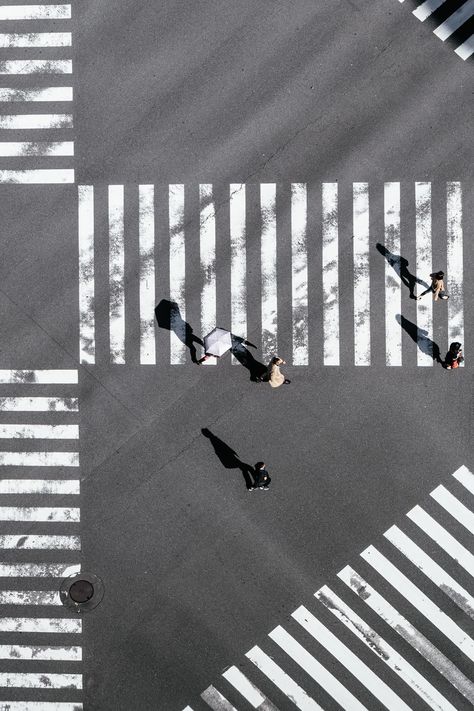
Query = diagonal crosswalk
x=40 y=641
x=146 y=244
x=36 y=94
x=454 y=22
x=382 y=604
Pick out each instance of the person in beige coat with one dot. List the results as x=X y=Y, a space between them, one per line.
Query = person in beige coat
x=437 y=287
x=274 y=376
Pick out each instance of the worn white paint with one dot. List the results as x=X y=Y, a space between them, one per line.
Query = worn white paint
x=215 y=700
x=43 y=706
x=177 y=274
x=59 y=625
x=454 y=263
x=39 y=432
x=31 y=149
x=466 y=48
x=454 y=507
x=38 y=570
x=86 y=274
x=47 y=93
x=146 y=235
x=330 y=269
x=299 y=273
x=36 y=39
x=454 y=21
x=40 y=513
x=40 y=653
x=116 y=274
x=39 y=377
x=245 y=687
x=65 y=487
x=39 y=404
x=361 y=247
x=207 y=252
x=35 y=12
x=238 y=261
x=268 y=256
x=465 y=477
x=39 y=459
x=393 y=286
x=38 y=176
x=41 y=542
x=36 y=66
x=27 y=680
x=424 y=307
x=29 y=597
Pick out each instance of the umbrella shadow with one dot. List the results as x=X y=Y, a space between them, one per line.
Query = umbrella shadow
x=229 y=458
x=425 y=344
x=256 y=369
x=400 y=266
x=169 y=316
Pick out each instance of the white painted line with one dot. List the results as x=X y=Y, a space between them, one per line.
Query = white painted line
x=427 y=8
x=393 y=286
x=38 y=570
x=116 y=274
x=454 y=283
x=424 y=307
x=35 y=12
x=53 y=514
x=454 y=507
x=465 y=477
x=65 y=487
x=39 y=377
x=188 y=708
x=42 y=706
x=36 y=66
x=177 y=275
x=419 y=600
x=432 y=570
x=245 y=687
x=330 y=262
x=268 y=251
x=41 y=681
x=39 y=432
x=238 y=262
x=86 y=274
x=207 y=248
x=361 y=274
x=146 y=231
x=49 y=93
x=216 y=700
x=350 y=661
x=408 y=632
x=29 y=597
x=35 y=121
x=444 y=539
x=56 y=625
x=299 y=273
x=36 y=39
x=466 y=48
x=46 y=176
x=39 y=459
x=25 y=542
x=316 y=671
x=455 y=20
x=41 y=653
x=383 y=650
x=39 y=404
x=285 y=683
x=31 y=149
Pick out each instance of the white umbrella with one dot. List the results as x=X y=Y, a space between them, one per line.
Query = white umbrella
x=218 y=342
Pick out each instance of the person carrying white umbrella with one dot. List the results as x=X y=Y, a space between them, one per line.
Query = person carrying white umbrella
x=216 y=343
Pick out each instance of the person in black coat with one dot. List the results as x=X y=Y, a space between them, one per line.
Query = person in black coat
x=261 y=476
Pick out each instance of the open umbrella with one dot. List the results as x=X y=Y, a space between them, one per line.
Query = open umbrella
x=218 y=342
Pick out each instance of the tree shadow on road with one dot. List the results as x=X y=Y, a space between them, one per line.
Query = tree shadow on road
x=425 y=344
x=169 y=316
x=400 y=266
x=229 y=458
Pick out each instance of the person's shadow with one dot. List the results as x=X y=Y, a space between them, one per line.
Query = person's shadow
x=400 y=266
x=425 y=344
x=256 y=369
x=228 y=457
x=168 y=316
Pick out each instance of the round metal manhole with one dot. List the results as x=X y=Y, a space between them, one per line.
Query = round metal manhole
x=82 y=592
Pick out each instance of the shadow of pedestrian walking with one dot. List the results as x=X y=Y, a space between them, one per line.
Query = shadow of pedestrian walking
x=228 y=457
x=256 y=369
x=400 y=266
x=168 y=316
x=425 y=344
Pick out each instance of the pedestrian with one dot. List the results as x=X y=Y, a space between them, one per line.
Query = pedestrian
x=274 y=376
x=454 y=356
x=261 y=476
x=436 y=287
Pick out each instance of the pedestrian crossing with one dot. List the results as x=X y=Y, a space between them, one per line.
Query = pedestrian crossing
x=215 y=251
x=454 y=21
x=40 y=545
x=36 y=94
x=388 y=603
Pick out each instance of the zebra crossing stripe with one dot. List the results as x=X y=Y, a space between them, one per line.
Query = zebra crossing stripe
x=361 y=247
x=407 y=631
x=39 y=459
x=38 y=570
x=248 y=690
x=207 y=243
x=455 y=21
x=444 y=539
x=454 y=507
x=466 y=478
x=39 y=377
x=65 y=487
x=330 y=273
x=116 y=274
x=36 y=39
x=43 y=149
x=393 y=287
x=38 y=176
x=268 y=256
x=285 y=683
x=44 y=513
x=36 y=66
x=29 y=597
x=299 y=273
x=86 y=274
x=41 y=681
x=432 y=570
x=427 y=8
x=47 y=93
x=146 y=232
x=466 y=48
x=424 y=310
x=238 y=261
x=216 y=700
x=56 y=625
x=316 y=670
x=41 y=653
x=419 y=600
x=38 y=404
x=41 y=706
x=39 y=431
x=25 y=542
x=378 y=688
x=177 y=272
x=383 y=650
x=454 y=260
x=35 y=12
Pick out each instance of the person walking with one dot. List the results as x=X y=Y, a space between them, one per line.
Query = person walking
x=274 y=376
x=261 y=476
x=454 y=356
x=436 y=287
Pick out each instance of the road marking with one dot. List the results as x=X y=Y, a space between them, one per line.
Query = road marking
x=39 y=377
x=177 y=268
x=268 y=256
x=407 y=631
x=25 y=542
x=383 y=650
x=361 y=274
x=116 y=274
x=35 y=12
x=28 y=597
x=146 y=231
x=424 y=310
x=216 y=700
x=49 y=93
x=454 y=281
x=455 y=21
x=64 y=487
x=55 y=625
x=238 y=261
x=39 y=431
x=38 y=404
x=248 y=690
x=299 y=272
x=316 y=671
x=465 y=477
x=36 y=66
x=46 y=176
x=207 y=252
x=38 y=570
x=36 y=39
x=41 y=681
x=466 y=48
x=393 y=285
x=40 y=513
x=39 y=459
x=86 y=274
x=41 y=653
x=330 y=275
x=31 y=149
x=427 y=8
x=40 y=706
x=454 y=507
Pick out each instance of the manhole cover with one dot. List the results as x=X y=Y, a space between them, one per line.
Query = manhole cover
x=81 y=591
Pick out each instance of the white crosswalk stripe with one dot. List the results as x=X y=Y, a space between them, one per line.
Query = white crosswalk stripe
x=394 y=611
x=30 y=521
x=36 y=148
x=453 y=22
x=314 y=336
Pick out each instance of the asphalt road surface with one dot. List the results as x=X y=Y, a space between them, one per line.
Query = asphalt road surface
x=196 y=569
